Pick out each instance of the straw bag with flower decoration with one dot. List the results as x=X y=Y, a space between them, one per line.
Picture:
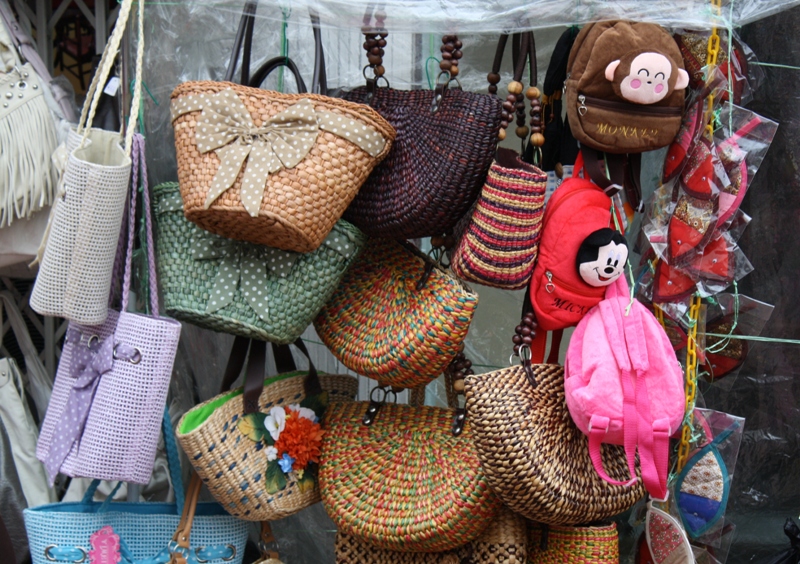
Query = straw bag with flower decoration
x=271 y=168
x=405 y=478
x=397 y=316
x=257 y=447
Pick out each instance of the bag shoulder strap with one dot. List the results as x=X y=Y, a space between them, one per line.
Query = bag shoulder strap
x=179 y=547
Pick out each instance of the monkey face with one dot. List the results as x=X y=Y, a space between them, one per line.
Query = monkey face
x=647 y=79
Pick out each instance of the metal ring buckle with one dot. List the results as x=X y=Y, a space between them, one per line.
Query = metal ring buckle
x=379 y=389
x=50 y=558
x=135 y=359
x=374 y=77
x=525 y=353
x=92 y=338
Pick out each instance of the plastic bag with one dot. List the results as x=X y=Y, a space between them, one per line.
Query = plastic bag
x=790 y=555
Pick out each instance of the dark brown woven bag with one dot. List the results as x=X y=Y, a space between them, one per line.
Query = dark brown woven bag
x=439 y=161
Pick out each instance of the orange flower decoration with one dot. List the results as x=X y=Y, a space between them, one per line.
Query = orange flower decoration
x=301 y=439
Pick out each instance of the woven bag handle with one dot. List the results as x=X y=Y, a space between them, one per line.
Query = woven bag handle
x=139 y=162
x=104 y=70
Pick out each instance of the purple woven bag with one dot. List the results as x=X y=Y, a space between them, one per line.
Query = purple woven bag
x=104 y=416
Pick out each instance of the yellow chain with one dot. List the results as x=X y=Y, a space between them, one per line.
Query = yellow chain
x=691 y=382
x=714 y=43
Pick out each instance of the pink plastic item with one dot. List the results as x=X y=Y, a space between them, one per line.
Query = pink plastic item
x=624 y=386
x=105 y=547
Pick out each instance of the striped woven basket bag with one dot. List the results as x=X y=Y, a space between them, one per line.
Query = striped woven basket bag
x=499 y=240
x=573 y=545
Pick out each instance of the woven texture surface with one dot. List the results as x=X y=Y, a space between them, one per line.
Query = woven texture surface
x=534 y=456
x=436 y=167
x=500 y=242
x=233 y=467
x=378 y=324
x=299 y=205
x=575 y=545
x=187 y=284
x=121 y=433
x=405 y=482
x=146 y=528
x=74 y=277
x=503 y=542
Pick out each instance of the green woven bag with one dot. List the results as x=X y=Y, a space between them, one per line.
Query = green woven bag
x=241 y=288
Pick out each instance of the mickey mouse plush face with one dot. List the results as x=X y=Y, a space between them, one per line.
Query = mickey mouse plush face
x=601 y=257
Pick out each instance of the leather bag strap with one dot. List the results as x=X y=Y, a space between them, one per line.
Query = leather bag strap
x=179 y=547
x=264 y=71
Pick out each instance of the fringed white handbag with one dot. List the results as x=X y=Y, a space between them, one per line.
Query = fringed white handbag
x=27 y=137
x=74 y=277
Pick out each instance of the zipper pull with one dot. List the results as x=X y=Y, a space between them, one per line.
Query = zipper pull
x=550 y=287
x=582 y=109
x=564 y=88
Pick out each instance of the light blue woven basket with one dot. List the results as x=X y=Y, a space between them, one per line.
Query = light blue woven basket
x=60 y=532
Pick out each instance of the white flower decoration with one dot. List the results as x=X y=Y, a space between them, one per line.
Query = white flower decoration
x=272 y=453
x=304 y=411
x=275 y=422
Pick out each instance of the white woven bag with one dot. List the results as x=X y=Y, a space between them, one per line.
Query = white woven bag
x=74 y=277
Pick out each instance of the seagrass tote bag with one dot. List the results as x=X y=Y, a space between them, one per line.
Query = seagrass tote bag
x=75 y=273
x=112 y=381
x=396 y=317
x=241 y=288
x=257 y=447
x=271 y=168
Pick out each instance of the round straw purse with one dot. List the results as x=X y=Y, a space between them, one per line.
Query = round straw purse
x=404 y=482
x=535 y=458
x=396 y=317
x=277 y=305
x=573 y=545
x=270 y=168
x=257 y=447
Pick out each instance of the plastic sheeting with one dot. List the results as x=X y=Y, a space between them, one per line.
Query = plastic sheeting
x=468 y=16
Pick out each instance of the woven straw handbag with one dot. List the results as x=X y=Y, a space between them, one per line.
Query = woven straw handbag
x=573 y=545
x=535 y=458
x=75 y=273
x=257 y=447
x=105 y=412
x=271 y=168
x=446 y=140
x=276 y=294
x=503 y=542
x=499 y=241
x=404 y=478
x=396 y=317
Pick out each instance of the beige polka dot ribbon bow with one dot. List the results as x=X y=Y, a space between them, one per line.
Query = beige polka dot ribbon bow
x=252 y=267
x=283 y=141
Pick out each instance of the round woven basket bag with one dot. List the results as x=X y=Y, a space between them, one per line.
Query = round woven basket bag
x=193 y=264
x=229 y=451
x=396 y=317
x=534 y=457
x=270 y=168
x=405 y=482
x=573 y=545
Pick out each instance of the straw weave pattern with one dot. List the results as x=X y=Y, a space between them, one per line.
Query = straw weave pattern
x=534 y=456
x=300 y=205
x=233 y=466
x=294 y=301
x=404 y=483
x=575 y=545
x=437 y=165
x=378 y=324
x=500 y=242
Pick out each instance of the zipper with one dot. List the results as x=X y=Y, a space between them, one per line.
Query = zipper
x=553 y=283
x=628 y=108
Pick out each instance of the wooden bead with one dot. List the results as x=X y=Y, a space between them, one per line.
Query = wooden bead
x=437 y=241
x=537 y=139
x=446 y=55
x=458 y=44
x=454 y=70
x=536 y=119
x=527 y=341
x=384 y=34
x=501 y=134
x=445 y=65
x=376 y=51
x=493 y=78
x=448 y=38
x=381 y=43
x=370 y=43
x=559 y=168
x=520 y=120
x=511 y=98
x=532 y=93
x=397 y=389
x=519 y=105
x=374 y=59
x=505 y=116
x=492 y=89
x=379 y=70
x=508 y=106
x=536 y=129
x=516 y=339
x=467 y=363
x=457 y=54
x=515 y=87
x=448 y=47
x=458 y=386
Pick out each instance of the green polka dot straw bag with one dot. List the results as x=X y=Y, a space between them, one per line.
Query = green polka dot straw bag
x=241 y=288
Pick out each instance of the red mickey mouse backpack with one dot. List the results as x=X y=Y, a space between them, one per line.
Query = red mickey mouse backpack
x=580 y=253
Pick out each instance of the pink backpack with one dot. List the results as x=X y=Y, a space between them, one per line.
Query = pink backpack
x=624 y=386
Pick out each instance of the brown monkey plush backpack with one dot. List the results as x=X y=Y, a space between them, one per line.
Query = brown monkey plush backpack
x=625 y=87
